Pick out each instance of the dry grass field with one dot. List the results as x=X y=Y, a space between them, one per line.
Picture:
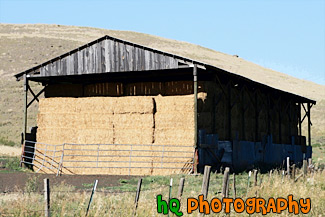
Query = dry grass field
x=119 y=200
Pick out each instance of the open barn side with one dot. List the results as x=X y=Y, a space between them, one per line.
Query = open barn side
x=142 y=132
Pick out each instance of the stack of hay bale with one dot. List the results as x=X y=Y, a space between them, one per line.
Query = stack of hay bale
x=153 y=124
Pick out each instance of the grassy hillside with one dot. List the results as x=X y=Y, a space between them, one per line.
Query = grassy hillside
x=24 y=46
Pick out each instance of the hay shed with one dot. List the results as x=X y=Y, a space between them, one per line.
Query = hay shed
x=115 y=107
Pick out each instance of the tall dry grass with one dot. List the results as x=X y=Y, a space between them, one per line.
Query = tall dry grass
x=66 y=201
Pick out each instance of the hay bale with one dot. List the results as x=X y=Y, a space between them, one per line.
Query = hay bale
x=133 y=136
x=134 y=104
x=173 y=120
x=174 y=136
x=179 y=104
x=133 y=121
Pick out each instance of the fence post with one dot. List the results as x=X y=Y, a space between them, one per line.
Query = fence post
x=288 y=167
x=293 y=174
x=234 y=185
x=170 y=192
x=248 y=180
x=180 y=188
x=47 y=208
x=137 y=197
x=304 y=166
x=225 y=182
x=206 y=180
x=91 y=196
x=309 y=165
x=255 y=177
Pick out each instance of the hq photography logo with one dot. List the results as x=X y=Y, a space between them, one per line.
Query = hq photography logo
x=250 y=205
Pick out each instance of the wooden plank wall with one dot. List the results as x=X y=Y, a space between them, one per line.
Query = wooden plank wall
x=109 y=56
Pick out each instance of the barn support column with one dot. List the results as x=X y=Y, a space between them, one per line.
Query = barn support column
x=280 y=120
x=256 y=117
x=268 y=115
x=229 y=111
x=243 y=109
x=299 y=122
x=195 y=118
x=25 y=107
x=309 y=124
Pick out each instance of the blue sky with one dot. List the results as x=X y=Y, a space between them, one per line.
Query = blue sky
x=287 y=36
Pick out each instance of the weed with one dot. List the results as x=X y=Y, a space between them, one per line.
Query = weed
x=87 y=185
x=13 y=163
x=31 y=184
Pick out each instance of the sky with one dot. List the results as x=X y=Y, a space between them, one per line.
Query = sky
x=284 y=35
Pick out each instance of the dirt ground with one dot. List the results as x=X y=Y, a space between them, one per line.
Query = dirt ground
x=10 y=151
x=16 y=181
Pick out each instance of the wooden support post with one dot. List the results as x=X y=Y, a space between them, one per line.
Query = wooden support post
x=288 y=167
x=309 y=165
x=225 y=182
x=206 y=180
x=47 y=208
x=268 y=115
x=293 y=174
x=195 y=116
x=25 y=104
x=243 y=135
x=213 y=109
x=137 y=196
x=234 y=185
x=280 y=120
x=255 y=177
x=299 y=123
x=256 y=118
x=180 y=188
x=304 y=166
x=309 y=124
x=229 y=112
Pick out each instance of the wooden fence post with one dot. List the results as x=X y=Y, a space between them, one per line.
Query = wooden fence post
x=234 y=185
x=206 y=180
x=304 y=166
x=225 y=182
x=170 y=192
x=255 y=177
x=180 y=188
x=47 y=208
x=137 y=196
x=293 y=174
x=248 y=181
x=288 y=167
x=309 y=165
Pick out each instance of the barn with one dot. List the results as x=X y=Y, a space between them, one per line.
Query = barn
x=116 y=107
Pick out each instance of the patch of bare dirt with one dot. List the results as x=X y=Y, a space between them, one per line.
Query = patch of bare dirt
x=16 y=181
